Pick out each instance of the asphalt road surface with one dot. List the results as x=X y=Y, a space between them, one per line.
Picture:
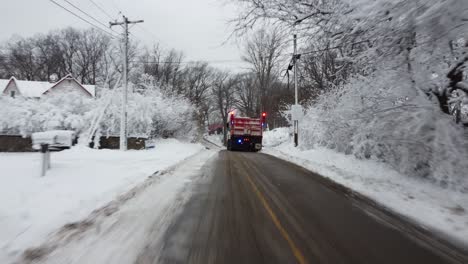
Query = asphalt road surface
x=254 y=208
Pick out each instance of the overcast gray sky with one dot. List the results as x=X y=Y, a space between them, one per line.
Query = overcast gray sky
x=197 y=27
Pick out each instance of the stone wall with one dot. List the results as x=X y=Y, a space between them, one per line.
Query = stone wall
x=12 y=143
x=114 y=143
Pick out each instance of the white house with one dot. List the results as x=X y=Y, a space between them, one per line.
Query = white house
x=35 y=89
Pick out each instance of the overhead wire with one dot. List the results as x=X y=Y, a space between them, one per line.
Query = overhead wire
x=188 y=62
x=102 y=10
x=156 y=38
x=88 y=15
x=139 y=26
x=81 y=18
x=119 y=12
x=116 y=6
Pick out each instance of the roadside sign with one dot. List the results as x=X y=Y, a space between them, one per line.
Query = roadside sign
x=296 y=112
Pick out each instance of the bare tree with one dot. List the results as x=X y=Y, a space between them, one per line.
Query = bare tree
x=91 y=49
x=68 y=41
x=3 y=64
x=164 y=67
x=50 y=56
x=262 y=52
x=172 y=65
x=322 y=71
x=22 y=61
x=246 y=91
x=224 y=93
x=198 y=80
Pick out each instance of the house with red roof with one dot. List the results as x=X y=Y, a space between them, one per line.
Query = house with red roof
x=35 y=89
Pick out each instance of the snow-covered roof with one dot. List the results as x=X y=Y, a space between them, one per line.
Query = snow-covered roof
x=38 y=88
x=32 y=88
x=90 y=88
x=3 y=84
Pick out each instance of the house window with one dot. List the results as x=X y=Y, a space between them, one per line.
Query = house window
x=12 y=94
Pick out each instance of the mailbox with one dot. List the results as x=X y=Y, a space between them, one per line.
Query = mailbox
x=55 y=139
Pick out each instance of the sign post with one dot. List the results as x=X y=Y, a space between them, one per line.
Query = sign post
x=296 y=115
x=45 y=159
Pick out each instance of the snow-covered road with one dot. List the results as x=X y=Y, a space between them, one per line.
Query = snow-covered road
x=433 y=207
x=150 y=214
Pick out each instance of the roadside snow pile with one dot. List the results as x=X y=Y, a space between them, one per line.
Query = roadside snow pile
x=433 y=206
x=276 y=136
x=217 y=139
x=79 y=181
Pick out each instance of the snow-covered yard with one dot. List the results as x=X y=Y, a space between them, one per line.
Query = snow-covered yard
x=80 y=180
x=440 y=209
x=137 y=223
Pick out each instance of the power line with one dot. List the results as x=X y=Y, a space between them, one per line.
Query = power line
x=88 y=15
x=188 y=62
x=320 y=50
x=114 y=4
x=147 y=31
x=84 y=20
x=102 y=9
x=160 y=41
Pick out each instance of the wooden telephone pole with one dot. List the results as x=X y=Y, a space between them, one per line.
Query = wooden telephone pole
x=123 y=117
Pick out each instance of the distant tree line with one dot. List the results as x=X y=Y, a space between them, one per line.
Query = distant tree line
x=83 y=53
x=94 y=58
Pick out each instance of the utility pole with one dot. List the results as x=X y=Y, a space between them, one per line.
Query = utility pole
x=123 y=115
x=296 y=121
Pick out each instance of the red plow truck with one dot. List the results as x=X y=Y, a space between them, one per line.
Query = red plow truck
x=245 y=133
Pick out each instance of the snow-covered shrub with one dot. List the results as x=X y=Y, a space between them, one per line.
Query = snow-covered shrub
x=56 y=111
x=385 y=117
x=150 y=114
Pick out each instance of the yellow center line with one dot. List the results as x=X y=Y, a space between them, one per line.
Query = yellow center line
x=297 y=253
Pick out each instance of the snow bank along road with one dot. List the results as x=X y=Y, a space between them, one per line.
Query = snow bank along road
x=235 y=207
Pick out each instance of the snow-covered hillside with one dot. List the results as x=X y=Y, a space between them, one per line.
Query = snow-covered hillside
x=80 y=180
